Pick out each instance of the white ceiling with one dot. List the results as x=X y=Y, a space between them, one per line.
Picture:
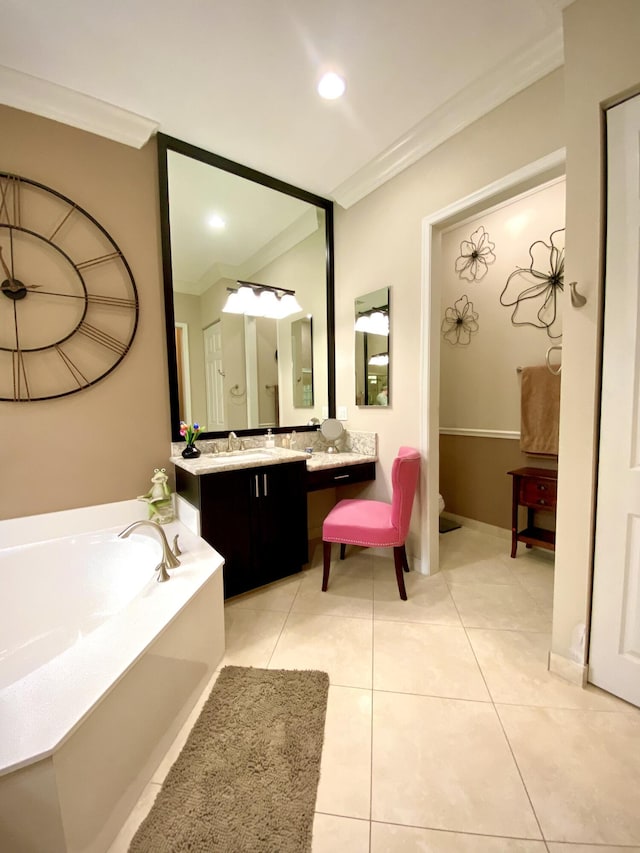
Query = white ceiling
x=238 y=77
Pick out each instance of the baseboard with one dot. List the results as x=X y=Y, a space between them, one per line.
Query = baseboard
x=481 y=526
x=570 y=670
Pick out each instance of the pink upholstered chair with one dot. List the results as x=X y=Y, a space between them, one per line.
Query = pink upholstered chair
x=376 y=524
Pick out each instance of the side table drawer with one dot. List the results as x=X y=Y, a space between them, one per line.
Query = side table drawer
x=324 y=478
x=541 y=493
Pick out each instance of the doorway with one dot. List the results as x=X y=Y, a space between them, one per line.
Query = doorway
x=541 y=171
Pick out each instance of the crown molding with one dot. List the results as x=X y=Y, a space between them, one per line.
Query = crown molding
x=480 y=97
x=34 y=95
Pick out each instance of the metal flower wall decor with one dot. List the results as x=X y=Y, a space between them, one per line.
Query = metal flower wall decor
x=533 y=291
x=459 y=323
x=475 y=255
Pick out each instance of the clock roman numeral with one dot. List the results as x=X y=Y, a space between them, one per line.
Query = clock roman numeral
x=61 y=223
x=20 y=381
x=72 y=367
x=103 y=338
x=10 y=208
x=101 y=259
x=116 y=301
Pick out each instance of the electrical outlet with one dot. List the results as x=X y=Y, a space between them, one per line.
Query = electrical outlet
x=342 y=413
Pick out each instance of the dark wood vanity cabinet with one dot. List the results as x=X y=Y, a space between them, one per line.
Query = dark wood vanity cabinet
x=256 y=518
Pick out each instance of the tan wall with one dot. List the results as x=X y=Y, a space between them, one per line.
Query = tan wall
x=101 y=444
x=473 y=477
x=379 y=244
x=602 y=63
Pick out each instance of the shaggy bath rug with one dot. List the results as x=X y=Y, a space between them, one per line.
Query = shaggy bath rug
x=247 y=778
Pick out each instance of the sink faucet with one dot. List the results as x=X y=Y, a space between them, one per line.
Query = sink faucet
x=232 y=435
x=169 y=560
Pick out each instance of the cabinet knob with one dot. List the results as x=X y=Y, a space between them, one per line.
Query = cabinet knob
x=542 y=487
x=542 y=501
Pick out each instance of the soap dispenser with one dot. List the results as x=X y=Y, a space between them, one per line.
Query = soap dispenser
x=269 y=440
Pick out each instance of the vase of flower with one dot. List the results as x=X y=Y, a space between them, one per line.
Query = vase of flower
x=190 y=452
x=190 y=432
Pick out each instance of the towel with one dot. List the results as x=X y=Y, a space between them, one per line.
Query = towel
x=539 y=411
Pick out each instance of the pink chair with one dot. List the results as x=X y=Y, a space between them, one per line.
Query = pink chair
x=376 y=524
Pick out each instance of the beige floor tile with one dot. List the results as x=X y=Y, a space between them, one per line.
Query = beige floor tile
x=142 y=808
x=463 y=546
x=332 y=834
x=485 y=605
x=581 y=769
x=428 y=598
x=278 y=595
x=488 y=570
x=389 y=838
x=445 y=764
x=339 y=645
x=349 y=593
x=434 y=660
x=535 y=572
x=251 y=636
x=345 y=772
x=514 y=664
x=555 y=847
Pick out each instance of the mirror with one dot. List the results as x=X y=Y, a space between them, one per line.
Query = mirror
x=302 y=363
x=222 y=223
x=372 y=317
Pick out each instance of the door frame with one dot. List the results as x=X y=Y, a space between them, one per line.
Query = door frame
x=527 y=177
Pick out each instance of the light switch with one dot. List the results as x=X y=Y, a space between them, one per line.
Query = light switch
x=325 y=412
x=342 y=413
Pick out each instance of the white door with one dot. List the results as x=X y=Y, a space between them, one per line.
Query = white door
x=214 y=376
x=614 y=654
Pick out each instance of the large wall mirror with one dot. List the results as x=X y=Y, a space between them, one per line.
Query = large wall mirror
x=372 y=313
x=223 y=223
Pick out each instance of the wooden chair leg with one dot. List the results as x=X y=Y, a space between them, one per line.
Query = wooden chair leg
x=326 y=563
x=399 y=563
x=343 y=550
x=405 y=562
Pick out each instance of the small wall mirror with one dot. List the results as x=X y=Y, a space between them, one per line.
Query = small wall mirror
x=372 y=349
x=302 y=363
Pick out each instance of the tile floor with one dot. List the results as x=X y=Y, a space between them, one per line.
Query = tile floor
x=445 y=732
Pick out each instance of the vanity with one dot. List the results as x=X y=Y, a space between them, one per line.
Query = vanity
x=252 y=505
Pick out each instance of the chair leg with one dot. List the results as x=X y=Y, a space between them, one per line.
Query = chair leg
x=326 y=563
x=343 y=550
x=405 y=563
x=399 y=563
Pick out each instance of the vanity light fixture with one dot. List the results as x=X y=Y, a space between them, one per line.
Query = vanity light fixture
x=261 y=300
x=331 y=86
x=381 y=359
x=373 y=322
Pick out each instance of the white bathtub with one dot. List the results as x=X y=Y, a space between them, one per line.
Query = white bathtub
x=99 y=667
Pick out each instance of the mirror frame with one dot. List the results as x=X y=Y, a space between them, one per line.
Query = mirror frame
x=168 y=143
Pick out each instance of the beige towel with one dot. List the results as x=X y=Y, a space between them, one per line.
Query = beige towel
x=539 y=411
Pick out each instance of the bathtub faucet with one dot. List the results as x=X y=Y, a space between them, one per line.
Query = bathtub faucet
x=169 y=560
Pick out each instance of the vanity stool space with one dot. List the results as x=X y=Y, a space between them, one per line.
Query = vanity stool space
x=535 y=489
x=255 y=517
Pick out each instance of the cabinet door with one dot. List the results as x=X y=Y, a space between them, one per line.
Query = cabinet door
x=279 y=521
x=226 y=505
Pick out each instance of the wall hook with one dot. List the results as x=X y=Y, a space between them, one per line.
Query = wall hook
x=577 y=299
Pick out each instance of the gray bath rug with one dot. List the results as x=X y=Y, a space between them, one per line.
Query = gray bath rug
x=247 y=778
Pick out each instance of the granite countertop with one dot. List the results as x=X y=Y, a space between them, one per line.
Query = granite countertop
x=354 y=448
x=258 y=457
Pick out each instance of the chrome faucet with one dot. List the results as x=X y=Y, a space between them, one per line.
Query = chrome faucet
x=232 y=436
x=169 y=560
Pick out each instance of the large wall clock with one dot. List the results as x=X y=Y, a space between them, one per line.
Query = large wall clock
x=68 y=301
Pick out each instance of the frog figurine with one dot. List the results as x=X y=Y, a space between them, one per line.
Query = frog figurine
x=159 y=498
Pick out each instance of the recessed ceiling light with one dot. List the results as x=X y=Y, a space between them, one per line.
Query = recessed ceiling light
x=216 y=222
x=331 y=86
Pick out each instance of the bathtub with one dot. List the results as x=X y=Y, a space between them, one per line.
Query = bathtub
x=99 y=667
